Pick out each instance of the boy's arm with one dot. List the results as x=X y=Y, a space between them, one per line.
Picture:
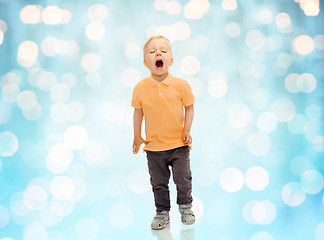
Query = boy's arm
x=138 y=140
x=189 y=114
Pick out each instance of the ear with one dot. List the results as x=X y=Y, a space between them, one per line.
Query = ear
x=145 y=63
x=171 y=62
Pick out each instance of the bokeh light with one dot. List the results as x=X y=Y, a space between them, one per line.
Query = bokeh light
x=67 y=71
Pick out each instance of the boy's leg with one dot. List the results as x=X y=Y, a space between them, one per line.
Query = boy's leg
x=159 y=177
x=180 y=162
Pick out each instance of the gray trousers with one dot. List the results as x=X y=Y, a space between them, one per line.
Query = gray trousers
x=158 y=164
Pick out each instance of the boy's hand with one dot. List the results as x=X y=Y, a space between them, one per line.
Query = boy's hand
x=187 y=140
x=137 y=144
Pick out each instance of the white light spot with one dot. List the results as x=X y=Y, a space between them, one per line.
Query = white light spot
x=264 y=212
x=173 y=8
x=60 y=112
x=59 y=158
x=233 y=29
x=62 y=188
x=26 y=100
x=265 y=16
x=291 y=83
x=75 y=137
x=267 y=122
x=218 y=87
x=262 y=236
x=284 y=109
x=46 y=80
x=232 y=179
x=293 y=194
x=306 y=83
x=52 y=15
x=297 y=123
x=195 y=9
x=76 y=111
x=31 y=14
x=283 y=22
x=239 y=115
x=95 y=31
x=36 y=232
x=8 y=144
x=98 y=12
x=120 y=217
x=312 y=181
x=130 y=77
x=303 y=45
x=182 y=31
x=69 y=79
x=96 y=151
x=87 y=228
x=139 y=181
x=60 y=92
x=259 y=144
x=35 y=197
x=91 y=62
x=256 y=178
x=27 y=53
x=255 y=39
x=161 y=5
x=197 y=207
x=313 y=111
x=132 y=50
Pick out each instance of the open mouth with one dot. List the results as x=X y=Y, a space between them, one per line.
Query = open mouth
x=159 y=63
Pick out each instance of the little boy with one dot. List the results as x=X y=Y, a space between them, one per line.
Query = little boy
x=161 y=99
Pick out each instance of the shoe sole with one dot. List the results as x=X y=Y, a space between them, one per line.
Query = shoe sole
x=185 y=223
x=160 y=228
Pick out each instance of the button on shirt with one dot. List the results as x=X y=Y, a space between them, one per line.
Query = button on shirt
x=163 y=107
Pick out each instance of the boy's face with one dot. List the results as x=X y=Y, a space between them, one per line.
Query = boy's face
x=158 y=56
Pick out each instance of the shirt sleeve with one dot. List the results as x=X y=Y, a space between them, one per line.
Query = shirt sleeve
x=136 y=101
x=187 y=96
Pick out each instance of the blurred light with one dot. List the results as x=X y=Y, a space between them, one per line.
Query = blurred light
x=8 y=144
x=130 y=77
x=313 y=111
x=190 y=65
x=319 y=42
x=247 y=212
x=1 y=37
x=59 y=158
x=31 y=14
x=60 y=112
x=66 y=16
x=34 y=113
x=75 y=137
x=3 y=26
x=284 y=60
x=75 y=111
x=50 y=46
x=231 y=179
x=319 y=232
x=233 y=29
x=299 y=165
x=93 y=79
x=69 y=79
x=283 y=22
x=98 y=12
x=297 y=123
x=48 y=216
x=61 y=207
x=229 y=4
x=10 y=92
x=95 y=31
x=312 y=130
x=182 y=31
x=206 y=173
x=293 y=194
x=139 y=181
x=35 y=232
x=26 y=100
x=264 y=212
x=310 y=7
x=80 y=190
x=115 y=185
x=291 y=83
x=161 y=5
x=120 y=216
x=267 y=122
x=256 y=178
x=259 y=144
x=60 y=92
x=96 y=151
x=46 y=80
x=62 y=188
x=132 y=50
x=35 y=197
x=265 y=16
x=91 y=62
x=5 y=112
x=312 y=181
x=87 y=228
x=217 y=87
x=52 y=15
x=27 y=53
x=262 y=236
x=173 y=8
x=303 y=44
x=4 y=219
x=195 y=9
x=284 y=109
x=197 y=207
x=306 y=83
x=255 y=39
x=166 y=31
x=239 y=115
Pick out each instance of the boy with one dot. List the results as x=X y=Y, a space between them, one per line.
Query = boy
x=161 y=98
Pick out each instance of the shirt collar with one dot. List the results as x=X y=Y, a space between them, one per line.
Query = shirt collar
x=166 y=81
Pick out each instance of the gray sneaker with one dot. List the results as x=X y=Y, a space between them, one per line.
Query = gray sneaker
x=160 y=220
x=187 y=215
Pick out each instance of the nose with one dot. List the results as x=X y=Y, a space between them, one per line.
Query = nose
x=158 y=53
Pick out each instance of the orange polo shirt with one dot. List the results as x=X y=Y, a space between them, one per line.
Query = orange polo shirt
x=163 y=107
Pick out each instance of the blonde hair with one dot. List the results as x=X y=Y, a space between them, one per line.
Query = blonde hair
x=152 y=38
